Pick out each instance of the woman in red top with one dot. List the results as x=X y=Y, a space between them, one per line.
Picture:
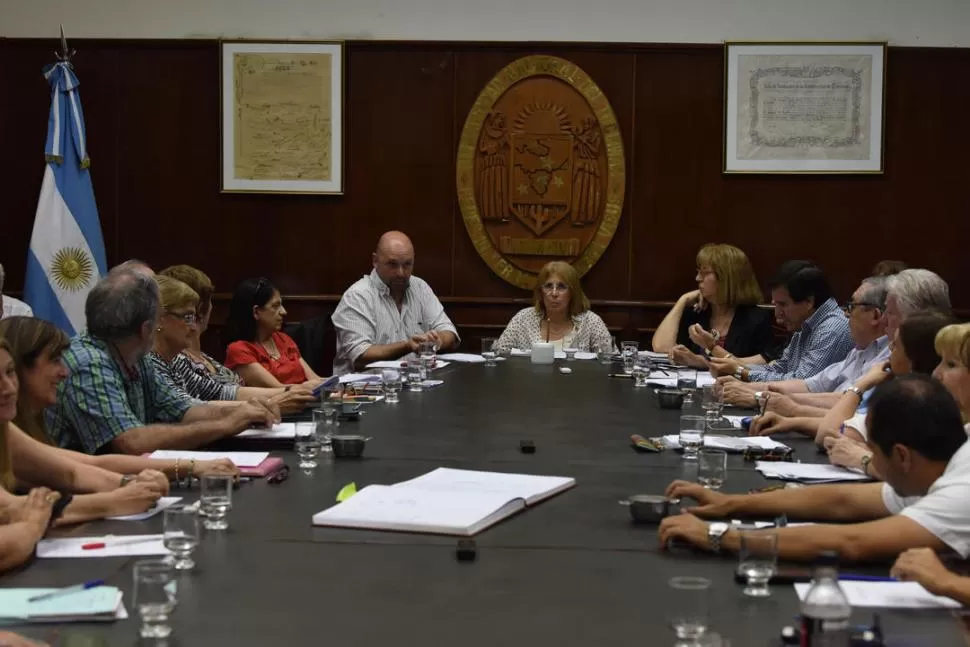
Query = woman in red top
x=260 y=352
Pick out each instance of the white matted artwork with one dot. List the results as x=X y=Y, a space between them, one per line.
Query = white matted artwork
x=804 y=107
x=282 y=117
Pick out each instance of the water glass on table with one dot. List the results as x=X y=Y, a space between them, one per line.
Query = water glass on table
x=711 y=400
x=691 y=435
x=155 y=595
x=758 y=561
x=428 y=354
x=326 y=421
x=628 y=350
x=181 y=534
x=641 y=370
x=606 y=356
x=307 y=442
x=711 y=468
x=488 y=350
x=392 y=385
x=216 y=500
x=688 y=598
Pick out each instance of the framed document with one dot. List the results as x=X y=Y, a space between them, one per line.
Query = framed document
x=804 y=107
x=282 y=117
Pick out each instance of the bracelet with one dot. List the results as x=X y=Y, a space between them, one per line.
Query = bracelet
x=854 y=389
x=126 y=479
x=177 y=461
x=191 y=470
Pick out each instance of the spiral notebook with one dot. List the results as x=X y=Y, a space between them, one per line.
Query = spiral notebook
x=444 y=501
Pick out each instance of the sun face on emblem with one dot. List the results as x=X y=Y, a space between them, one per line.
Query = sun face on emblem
x=71 y=269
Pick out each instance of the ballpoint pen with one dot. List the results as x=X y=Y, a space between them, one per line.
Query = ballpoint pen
x=121 y=541
x=66 y=591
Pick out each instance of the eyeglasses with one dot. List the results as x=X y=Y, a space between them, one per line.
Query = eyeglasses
x=555 y=287
x=851 y=305
x=189 y=317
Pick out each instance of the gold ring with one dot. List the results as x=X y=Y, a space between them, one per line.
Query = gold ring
x=52 y=497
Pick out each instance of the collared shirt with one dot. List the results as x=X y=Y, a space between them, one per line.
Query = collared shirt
x=367 y=315
x=822 y=340
x=15 y=308
x=589 y=333
x=101 y=399
x=189 y=383
x=842 y=375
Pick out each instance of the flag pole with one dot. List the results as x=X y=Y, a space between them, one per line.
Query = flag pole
x=65 y=55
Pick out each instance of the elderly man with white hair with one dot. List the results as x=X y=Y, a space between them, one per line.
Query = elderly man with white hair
x=915 y=290
x=10 y=307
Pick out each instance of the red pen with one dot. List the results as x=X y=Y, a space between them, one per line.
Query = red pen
x=120 y=542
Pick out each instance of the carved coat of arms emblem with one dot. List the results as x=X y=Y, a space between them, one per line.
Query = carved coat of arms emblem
x=540 y=169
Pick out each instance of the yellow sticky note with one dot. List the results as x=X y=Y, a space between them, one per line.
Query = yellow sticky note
x=346 y=492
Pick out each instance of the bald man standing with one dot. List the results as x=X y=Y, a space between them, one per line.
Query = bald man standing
x=388 y=313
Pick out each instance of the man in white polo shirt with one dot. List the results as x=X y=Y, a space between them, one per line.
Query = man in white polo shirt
x=388 y=313
x=918 y=443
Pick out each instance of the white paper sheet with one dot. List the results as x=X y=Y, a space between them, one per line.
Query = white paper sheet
x=362 y=377
x=164 y=502
x=731 y=443
x=395 y=363
x=887 y=595
x=282 y=430
x=807 y=472
x=735 y=420
x=518 y=352
x=582 y=354
x=467 y=358
x=240 y=459
x=704 y=379
x=521 y=486
x=71 y=546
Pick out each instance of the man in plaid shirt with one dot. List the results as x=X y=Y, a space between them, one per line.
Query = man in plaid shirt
x=114 y=401
x=804 y=305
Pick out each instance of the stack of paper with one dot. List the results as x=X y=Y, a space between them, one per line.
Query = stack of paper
x=730 y=443
x=104 y=546
x=467 y=358
x=282 y=430
x=363 y=377
x=445 y=501
x=240 y=459
x=163 y=503
x=807 y=472
x=391 y=363
x=99 y=603
x=887 y=595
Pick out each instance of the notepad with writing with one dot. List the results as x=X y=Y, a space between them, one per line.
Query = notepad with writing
x=444 y=501
x=100 y=603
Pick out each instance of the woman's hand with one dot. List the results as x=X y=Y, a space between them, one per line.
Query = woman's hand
x=845 y=451
x=295 y=400
x=35 y=508
x=137 y=496
x=680 y=355
x=154 y=478
x=876 y=376
x=701 y=337
x=217 y=466
x=724 y=366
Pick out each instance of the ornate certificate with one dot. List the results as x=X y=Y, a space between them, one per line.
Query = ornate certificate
x=803 y=108
x=281 y=117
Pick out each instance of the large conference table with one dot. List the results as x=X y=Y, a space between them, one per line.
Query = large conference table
x=573 y=570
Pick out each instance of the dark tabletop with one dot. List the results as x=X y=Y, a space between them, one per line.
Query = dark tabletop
x=571 y=571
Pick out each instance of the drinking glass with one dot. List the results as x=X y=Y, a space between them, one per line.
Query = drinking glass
x=154 y=596
x=392 y=385
x=686 y=379
x=570 y=353
x=488 y=350
x=181 y=534
x=758 y=561
x=689 y=601
x=326 y=420
x=691 y=435
x=629 y=351
x=216 y=500
x=711 y=399
x=641 y=370
x=416 y=376
x=307 y=444
x=606 y=356
x=711 y=468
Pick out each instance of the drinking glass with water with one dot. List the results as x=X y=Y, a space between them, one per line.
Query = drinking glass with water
x=628 y=350
x=688 y=598
x=606 y=356
x=427 y=355
x=488 y=350
x=691 y=435
x=641 y=370
x=181 y=534
x=392 y=385
x=758 y=561
x=326 y=421
x=154 y=596
x=307 y=445
x=711 y=468
x=216 y=500
x=416 y=376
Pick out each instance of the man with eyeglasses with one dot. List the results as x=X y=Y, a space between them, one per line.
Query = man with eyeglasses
x=813 y=396
x=388 y=314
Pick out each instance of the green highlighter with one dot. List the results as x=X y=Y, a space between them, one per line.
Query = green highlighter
x=346 y=492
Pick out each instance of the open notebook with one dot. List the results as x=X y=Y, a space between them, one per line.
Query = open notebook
x=101 y=603
x=444 y=501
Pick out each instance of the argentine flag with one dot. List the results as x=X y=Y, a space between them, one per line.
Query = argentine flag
x=66 y=254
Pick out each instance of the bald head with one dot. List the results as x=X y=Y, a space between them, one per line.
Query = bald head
x=134 y=265
x=394 y=260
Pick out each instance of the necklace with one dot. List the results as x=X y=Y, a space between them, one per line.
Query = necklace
x=271 y=349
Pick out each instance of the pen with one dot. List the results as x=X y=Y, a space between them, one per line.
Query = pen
x=66 y=590
x=119 y=542
x=621 y=375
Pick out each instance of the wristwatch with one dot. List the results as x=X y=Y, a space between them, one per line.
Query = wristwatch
x=715 y=532
x=126 y=479
x=865 y=460
x=856 y=390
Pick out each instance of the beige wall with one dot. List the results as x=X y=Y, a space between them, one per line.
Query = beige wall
x=936 y=23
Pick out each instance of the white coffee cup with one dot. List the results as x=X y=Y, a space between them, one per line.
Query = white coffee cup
x=543 y=353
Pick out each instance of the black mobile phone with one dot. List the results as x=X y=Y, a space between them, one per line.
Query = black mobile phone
x=785 y=575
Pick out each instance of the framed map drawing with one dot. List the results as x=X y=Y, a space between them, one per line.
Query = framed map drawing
x=282 y=117
x=804 y=107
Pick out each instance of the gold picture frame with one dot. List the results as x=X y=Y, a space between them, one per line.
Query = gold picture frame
x=282 y=109
x=804 y=107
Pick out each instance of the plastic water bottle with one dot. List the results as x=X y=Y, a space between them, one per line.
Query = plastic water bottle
x=825 y=609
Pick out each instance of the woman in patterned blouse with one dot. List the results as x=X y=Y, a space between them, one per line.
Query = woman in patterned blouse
x=175 y=331
x=560 y=315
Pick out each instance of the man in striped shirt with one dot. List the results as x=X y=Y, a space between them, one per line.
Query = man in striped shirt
x=388 y=313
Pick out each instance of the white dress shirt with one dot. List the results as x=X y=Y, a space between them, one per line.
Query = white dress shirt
x=15 y=308
x=841 y=375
